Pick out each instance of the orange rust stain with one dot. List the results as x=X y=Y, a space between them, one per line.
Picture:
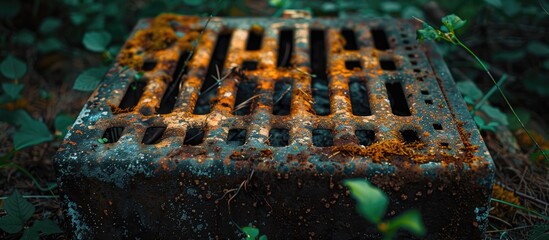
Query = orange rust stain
x=502 y=210
x=167 y=19
x=383 y=150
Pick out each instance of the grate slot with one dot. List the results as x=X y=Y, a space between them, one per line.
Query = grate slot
x=399 y=105
x=113 y=134
x=282 y=97
x=244 y=98
x=360 y=103
x=236 y=137
x=210 y=85
x=437 y=126
x=387 y=64
x=249 y=65
x=350 y=39
x=168 y=100
x=365 y=137
x=194 y=136
x=149 y=65
x=353 y=65
x=320 y=83
x=285 y=48
x=132 y=96
x=409 y=136
x=153 y=135
x=255 y=35
x=380 y=39
x=279 y=137
x=323 y=137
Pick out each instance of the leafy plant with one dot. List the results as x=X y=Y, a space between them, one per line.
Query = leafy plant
x=372 y=205
x=19 y=212
x=447 y=33
x=252 y=233
x=13 y=68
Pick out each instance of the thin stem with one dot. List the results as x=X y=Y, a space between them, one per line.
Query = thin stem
x=521 y=208
x=503 y=96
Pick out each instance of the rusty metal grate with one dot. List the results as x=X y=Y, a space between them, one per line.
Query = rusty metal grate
x=259 y=123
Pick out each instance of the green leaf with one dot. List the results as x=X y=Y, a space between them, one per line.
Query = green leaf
x=409 y=220
x=49 y=45
x=371 y=202
x=12 y=90
x=9 y=9
x=469 y=89
x=18 y=207
x=251 y=232
x=77 y=18
x=390 y=7
x=539 y=232
x=538 y=48
x=453 y=22
x=427 y=33
x=49 y=25
x=63 y=122
x=495 y=3
x=11 y=224
x=89 y=79
x=546 y=64
x=13 y=68
x=96 y=41
x=29 y=132
x=30 y=234
x=263 y=237
x=412 y=11
x=495 y=114
x=23 y=37
x=193 y=2
x=46 y=226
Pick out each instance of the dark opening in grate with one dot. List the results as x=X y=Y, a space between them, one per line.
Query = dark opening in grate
x=350 y=39
x=380 y=39
x=285 y=48
x=236 y=137
x=194 y=136
x=132 y=96
x=244 y=97
x=360 y=103
x=409 y=136
x=149 y=65
x=153 y=135
x=282 y=98
x=255 y=35
x=365 y=137
x=323 y=137
x=399 y=105
x=113 y=134
x=278 y=137
x=321 y=95
x=170 y=96
x=353 y=65
x=387 y=64
x=249 y=65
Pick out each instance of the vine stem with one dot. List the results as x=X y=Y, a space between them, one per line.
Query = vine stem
x=459 y=43
x=520 y=208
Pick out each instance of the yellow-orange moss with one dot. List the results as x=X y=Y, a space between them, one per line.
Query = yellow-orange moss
x=186 y=42
x=167 y=19
x=127 y=57
x=381 y=150
x=155 y=39
x=503 y=210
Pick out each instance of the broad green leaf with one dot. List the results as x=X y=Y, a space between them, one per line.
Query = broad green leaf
x=98 y=23
x=89 y=79
x=495 y=3
x=412 y=11
x=23 y=37
x=30 y=234
x=12 y=90
x=512 y=7
x=409 y=220
x=96 y=41
x=468 y=88
x=9 y=9
x=77 y=18
x=13 y=68
x=427 y=33
x=539 y=232
x=18 y=207
x=371 y=202
x=49 y=45
x=263 y=237
x=62 y=123
x=46 y=226
x=29 y=131
x=390 y=7
x=193 y=2
x=251 y=232
x=49 y=25
x=538 y=48
x=495 y=114
x=11 y=224
x=453 y=22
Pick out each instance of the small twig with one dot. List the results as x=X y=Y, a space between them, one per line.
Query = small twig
x=246 y=103
x=510 y=229
x=542 y=7
x=283 y=94
x=501 y=220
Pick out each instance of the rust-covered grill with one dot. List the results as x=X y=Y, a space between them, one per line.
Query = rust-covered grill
x=202 y=126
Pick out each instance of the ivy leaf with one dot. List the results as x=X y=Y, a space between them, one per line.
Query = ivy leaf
x=49 y=25
x=46 y=226
x=18 y=207
x=495 y=114
x=30 y=234
x=469 y=89
x=453 y=22
x=96 y=41
x=23 y=37
x=538 y=48
x=409 y=220
x=12 y=90
x=77 y=18
x=13 y=68
x=49 y=45
x=427 y=33
x=251 y=232
x=62 y=124
x=29 y=131
x=11 y=224
x=371 y=202
x=89 y=79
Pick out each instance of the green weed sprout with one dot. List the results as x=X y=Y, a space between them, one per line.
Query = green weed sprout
x=372 y=205
x=252 y=233
x=447 y=33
